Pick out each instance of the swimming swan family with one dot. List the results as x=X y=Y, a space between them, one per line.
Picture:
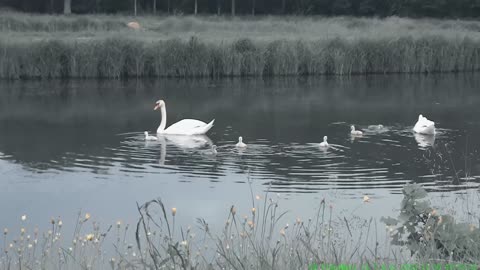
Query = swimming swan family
x=197 y=127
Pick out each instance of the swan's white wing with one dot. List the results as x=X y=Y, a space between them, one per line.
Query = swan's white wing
x=423 y=124
x=424 y=121
x=424 y=128
x=189 y=127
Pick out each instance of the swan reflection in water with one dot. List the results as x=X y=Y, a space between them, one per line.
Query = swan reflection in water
x=424 y=140
x=182 y=142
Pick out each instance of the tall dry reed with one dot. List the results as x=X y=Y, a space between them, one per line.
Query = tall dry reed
x=123 y=57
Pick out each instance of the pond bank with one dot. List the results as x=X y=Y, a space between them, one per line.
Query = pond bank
x=258 y=240
x=82 y=47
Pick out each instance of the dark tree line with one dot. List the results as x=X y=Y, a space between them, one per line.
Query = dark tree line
x=410 y=8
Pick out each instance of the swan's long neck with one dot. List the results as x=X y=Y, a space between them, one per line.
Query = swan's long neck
x=163 y=123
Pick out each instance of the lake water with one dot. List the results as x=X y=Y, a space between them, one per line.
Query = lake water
x=73 y=145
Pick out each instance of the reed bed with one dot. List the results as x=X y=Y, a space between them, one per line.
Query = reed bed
x=123 y=57
x=101 y=46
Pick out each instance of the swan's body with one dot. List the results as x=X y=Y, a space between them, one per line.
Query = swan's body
x=424 y=126
x=376 y=127
x=324 y=144
x=149 y=138
x=355 y=132
x=183 y=127
x=240 y=143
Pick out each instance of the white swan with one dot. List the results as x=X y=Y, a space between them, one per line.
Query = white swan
x=355 y=132
x=324 y=144
x=183 y=127
x=376 y=127
x=149 y=138
x=424 y=126
x=240 y=143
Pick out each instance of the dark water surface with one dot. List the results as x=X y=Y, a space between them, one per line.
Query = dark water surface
x=79 y=144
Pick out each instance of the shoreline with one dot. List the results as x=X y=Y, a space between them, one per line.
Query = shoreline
x=100 y=46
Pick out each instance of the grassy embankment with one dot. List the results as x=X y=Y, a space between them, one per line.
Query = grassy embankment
x=262 y=239
x=100 y=46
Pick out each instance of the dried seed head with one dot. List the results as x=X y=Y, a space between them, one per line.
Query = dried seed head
x=174 y=211
x=89 y=237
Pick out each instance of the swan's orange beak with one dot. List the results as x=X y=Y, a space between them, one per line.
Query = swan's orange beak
x=156 y=107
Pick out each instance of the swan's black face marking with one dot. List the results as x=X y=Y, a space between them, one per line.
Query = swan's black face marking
x=159 y=104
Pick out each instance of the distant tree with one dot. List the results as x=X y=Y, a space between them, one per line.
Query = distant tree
x=474 y=8
x=67 y=7
x=408 y=8
x=341 y=7
x=366 y=7
x=304 y=6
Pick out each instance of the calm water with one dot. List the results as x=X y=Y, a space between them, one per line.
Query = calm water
x=75 y=145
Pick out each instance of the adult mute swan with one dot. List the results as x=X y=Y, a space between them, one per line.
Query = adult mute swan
x=182 y=127
x=324 y=144
x=424 y=126
x=355 y=132
x=240 y=143
x=149 y=138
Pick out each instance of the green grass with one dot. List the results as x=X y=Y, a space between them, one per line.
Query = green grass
x=90 y=46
